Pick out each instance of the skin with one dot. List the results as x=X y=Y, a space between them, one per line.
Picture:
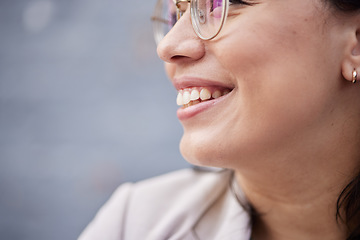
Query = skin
x=290 y=127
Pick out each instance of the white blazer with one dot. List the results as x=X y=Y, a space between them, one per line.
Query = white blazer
x=186 y=204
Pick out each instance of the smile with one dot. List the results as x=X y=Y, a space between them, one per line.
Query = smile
x=191 y=96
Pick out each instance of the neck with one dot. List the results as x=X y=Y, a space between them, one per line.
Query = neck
x=295 y=204
x=295 y=188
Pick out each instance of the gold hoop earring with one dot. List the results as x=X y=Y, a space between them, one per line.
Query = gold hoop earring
x=354 y=75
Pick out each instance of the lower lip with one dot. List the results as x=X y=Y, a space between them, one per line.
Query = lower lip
x=189 y=112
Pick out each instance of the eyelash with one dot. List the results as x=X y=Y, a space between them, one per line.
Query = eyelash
x=239 y=2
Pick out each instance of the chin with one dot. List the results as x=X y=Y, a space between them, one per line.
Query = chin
x=202 y=153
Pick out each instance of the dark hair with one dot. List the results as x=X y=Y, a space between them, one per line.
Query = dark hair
x=346 y=5
x=348 y=203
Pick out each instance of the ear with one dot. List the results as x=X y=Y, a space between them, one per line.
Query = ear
x=351 y=61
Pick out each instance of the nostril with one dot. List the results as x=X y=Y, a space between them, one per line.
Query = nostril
x=177 y=57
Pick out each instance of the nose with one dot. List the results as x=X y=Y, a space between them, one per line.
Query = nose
x=181 y=44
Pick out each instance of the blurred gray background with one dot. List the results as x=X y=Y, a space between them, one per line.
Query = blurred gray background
x=84 y=106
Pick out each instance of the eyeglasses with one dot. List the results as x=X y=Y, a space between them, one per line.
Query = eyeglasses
x=207 y=16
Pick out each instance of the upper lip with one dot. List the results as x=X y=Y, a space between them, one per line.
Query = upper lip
x=187 y=82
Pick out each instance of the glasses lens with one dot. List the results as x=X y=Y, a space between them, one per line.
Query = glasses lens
x=208 y=17
x=164 y=18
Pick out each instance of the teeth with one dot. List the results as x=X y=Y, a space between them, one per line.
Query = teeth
x=191 y=96
x=194 y=95
x=192 y=103
x=216 y=94
x=186 y=97
x=226 y=92
x=179 y=99
x=205 y=94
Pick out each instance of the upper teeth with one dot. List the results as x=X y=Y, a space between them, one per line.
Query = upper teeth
x=195 y=95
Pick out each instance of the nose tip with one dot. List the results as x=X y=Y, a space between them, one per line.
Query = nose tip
x=181 y=43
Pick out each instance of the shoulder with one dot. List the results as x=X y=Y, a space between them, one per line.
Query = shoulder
x=108 y=220
x=158 y=207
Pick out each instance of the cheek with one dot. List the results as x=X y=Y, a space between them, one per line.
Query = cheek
x=276 y=101
x=286 y=85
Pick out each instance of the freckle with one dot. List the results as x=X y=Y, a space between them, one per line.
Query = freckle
x=305 y=19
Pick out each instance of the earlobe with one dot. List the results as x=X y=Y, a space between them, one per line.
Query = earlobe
x=350 y=71
x=351 y=63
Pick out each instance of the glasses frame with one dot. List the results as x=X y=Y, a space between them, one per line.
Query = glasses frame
x=158 y=34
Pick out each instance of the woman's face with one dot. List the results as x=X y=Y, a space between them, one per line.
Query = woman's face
x=281 y=61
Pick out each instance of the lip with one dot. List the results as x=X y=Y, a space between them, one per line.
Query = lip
x=189 y=112
x=187 y=82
